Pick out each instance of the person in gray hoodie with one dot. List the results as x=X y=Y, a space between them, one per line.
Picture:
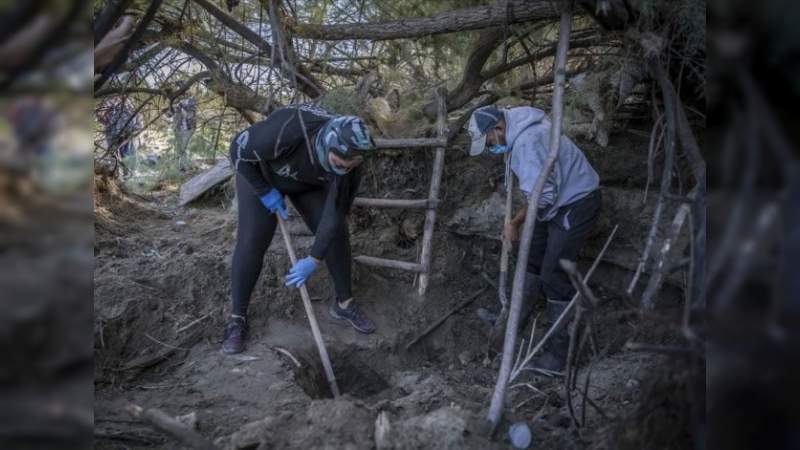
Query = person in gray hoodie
x=567 y=209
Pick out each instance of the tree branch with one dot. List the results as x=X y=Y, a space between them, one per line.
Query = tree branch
x=305 y=82
x=549 y=51
x=236 y=95
x=153 y=50
x=504 y=12
x=169 y=94
x=471 y=80
x=474 y=76
x=107 y=18
x=498 y=396
x=122 y=56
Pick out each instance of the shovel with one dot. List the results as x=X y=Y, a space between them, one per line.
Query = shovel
x=502 y=282
x=312 y=319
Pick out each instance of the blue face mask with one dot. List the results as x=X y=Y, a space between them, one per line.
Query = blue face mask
x=498 y=149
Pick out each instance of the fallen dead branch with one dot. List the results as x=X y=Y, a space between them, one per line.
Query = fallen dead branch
x=444 y=317
x=174 y=347
x=663 y=263
x=192 y=323
x=171 y=426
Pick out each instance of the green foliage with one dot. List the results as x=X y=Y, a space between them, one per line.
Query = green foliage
x=685 y=18
x=342 y=101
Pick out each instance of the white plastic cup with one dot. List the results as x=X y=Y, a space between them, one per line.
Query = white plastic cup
x=520 y=435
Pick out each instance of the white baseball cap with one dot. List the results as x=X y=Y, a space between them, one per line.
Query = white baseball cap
x=480 y=122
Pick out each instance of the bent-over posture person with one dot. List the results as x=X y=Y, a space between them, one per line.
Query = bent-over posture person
x=567 y=209
x=313 y=157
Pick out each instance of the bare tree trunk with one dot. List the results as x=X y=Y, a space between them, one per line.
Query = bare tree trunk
x=107 y=18
x=498 y=397
x=122 y=56
x=501 y=13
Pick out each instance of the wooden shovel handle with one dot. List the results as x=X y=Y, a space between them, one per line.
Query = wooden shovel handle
x=312 y=319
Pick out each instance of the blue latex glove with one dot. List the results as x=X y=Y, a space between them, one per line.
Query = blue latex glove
x=300 y=272
x=273 y=201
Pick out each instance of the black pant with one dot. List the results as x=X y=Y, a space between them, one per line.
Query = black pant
x=255 y=230
x=562 y=238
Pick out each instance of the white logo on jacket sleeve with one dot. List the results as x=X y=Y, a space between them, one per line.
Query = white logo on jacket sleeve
x=242 y=139
x=286 y=172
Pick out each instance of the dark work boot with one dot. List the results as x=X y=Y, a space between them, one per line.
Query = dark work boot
x=353 y=315
x=235 y=335
x=554 y=353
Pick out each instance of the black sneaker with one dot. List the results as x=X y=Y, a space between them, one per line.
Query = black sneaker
x=354 y=315
x=235 y=336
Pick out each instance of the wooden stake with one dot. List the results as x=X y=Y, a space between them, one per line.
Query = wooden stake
x=502 y=284
x=312 y=319
x=498 y=396
x=433 y=196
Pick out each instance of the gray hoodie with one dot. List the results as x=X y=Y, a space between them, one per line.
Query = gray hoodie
x=528 y=138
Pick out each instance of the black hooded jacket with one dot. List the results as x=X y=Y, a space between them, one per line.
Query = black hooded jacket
x=278 y=152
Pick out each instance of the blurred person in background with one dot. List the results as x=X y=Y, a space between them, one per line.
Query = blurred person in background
x=121 y=126
x=184 y=122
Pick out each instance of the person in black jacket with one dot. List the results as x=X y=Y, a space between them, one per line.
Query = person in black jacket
x=312 y=156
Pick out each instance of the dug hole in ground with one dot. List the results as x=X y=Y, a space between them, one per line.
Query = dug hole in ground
x=162 y=297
